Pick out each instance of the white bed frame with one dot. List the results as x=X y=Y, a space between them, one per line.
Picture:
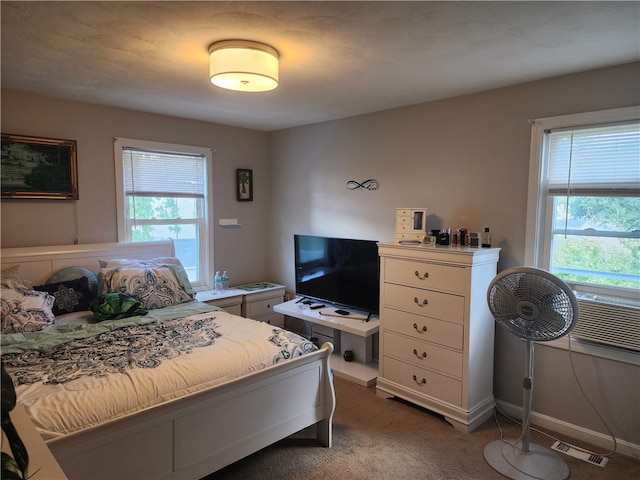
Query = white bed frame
x=195 y=435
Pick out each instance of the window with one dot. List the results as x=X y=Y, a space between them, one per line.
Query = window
x=583 y=218
x=162 y=192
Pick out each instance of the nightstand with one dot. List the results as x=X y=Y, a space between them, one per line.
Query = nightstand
x=259 y=299
x=230 y=300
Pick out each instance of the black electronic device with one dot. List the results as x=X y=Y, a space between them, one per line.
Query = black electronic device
x=317 y=307
x=342 y=312
x=340 y=271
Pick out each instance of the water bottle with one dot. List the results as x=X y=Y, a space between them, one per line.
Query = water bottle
x=217 y=282
x=225 y=280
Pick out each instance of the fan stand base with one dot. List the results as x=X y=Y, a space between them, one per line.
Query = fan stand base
x=539 y=463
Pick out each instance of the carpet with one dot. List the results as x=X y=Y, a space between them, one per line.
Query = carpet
x=376 y=438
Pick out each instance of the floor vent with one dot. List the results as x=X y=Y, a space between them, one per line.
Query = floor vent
x=573 y=452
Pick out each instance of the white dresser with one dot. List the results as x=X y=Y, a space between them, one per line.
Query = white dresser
x=436 y=330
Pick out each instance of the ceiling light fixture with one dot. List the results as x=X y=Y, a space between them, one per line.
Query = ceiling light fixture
x=243 y=65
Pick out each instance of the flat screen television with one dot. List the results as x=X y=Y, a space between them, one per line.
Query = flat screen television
x=341 y=271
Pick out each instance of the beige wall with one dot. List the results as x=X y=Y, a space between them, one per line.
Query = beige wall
x=466 y=159
x=35 y=222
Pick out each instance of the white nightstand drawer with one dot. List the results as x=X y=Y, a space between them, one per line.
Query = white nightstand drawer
x=423 y=354
x=275 y=319
x=423 y=381
x=424 y=328
x=443 y=306
x=426 y=275
x=262 y=307
x=229 y=300
x=234 y=309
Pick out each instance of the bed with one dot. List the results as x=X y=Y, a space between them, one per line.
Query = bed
x=114 y=419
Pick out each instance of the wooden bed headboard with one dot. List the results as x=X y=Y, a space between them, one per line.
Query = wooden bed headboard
x=37 y=264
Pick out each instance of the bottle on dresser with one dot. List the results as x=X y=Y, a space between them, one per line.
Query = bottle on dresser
x=225 y=280
x=217 y=281
x=486 y=238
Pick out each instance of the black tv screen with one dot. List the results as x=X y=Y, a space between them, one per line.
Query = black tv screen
x=338 y=270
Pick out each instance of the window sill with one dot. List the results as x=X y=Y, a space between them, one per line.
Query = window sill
x=602 y=351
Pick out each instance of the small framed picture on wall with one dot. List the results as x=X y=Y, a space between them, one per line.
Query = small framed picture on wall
x=244 y=185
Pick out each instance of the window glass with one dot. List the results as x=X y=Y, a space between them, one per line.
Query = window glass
x=162 y=193
x=583 y=223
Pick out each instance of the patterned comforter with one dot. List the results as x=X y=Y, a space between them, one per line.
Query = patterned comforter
x=91 y=378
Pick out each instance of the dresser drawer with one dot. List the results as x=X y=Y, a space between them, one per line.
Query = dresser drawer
x=424 y=328
x=423 y=354
x=262 y=307
x=426 y=275
x=443 y=306
x=423 y=381
x=400 y=236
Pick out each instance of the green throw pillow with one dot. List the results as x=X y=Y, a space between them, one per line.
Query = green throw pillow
x=113 y=306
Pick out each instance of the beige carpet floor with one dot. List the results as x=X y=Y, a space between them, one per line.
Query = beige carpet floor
x=375 y=438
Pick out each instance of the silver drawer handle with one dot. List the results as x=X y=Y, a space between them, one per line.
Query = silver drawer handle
x=424 y=303
x=423 y=277
x=421 y=382
x=419 y=357
x=421 y=332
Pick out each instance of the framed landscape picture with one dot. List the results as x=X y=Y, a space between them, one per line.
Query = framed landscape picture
x=40 y=168
x=244 y=184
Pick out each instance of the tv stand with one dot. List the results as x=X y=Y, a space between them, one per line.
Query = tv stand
x=357 y=332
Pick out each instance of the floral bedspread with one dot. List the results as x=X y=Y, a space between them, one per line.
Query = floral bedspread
x=82 y=382
x=137 y=346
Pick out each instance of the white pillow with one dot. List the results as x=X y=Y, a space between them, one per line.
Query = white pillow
x=25 y=310
x=10 y=278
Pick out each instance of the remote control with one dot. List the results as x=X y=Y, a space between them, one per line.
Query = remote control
x=316 y=307
x=342 y=312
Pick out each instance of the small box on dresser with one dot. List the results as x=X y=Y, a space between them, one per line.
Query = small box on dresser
x=410 y=224
x=436 y=330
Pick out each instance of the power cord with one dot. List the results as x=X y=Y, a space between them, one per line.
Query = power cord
x=527 y=421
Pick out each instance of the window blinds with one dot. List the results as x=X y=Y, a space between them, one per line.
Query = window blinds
x=595 y=160
x=152 y=173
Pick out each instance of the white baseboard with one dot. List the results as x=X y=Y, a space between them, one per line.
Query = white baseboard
x=574 y=431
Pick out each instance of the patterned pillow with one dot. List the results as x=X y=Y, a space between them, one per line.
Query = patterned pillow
x=155 y=287
x=25 y=310
x=71 y=273
x=172 y=262
x=71 y=295
x=113 y=306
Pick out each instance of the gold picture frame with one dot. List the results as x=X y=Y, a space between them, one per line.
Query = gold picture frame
x=38 y=168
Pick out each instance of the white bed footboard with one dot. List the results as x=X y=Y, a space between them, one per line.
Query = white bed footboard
x=197 y=435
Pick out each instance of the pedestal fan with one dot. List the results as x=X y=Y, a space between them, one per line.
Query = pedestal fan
x=536 y=306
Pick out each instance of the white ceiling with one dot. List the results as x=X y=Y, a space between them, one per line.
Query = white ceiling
x=337 y=59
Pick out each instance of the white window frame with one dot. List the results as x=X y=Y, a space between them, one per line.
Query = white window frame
x=538 y=230
x=205 y=237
